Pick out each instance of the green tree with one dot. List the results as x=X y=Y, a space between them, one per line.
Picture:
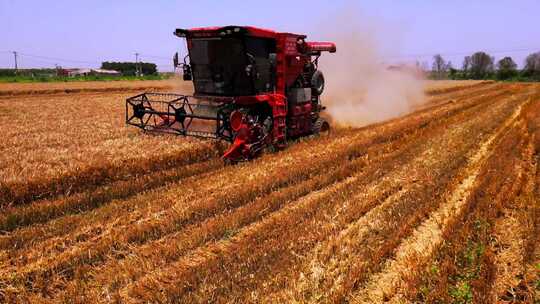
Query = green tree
x=532 y=66
x=130 y=68
x=453 y=73
x=506 y=68
x=481 y=65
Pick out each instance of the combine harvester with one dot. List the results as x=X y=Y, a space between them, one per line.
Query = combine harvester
x=253 y=87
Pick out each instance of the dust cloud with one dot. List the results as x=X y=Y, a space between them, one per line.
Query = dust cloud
x=360 y=88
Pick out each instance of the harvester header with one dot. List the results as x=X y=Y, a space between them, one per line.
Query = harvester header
x=253 y=87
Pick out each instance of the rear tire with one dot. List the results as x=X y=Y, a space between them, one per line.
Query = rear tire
x=321 y=127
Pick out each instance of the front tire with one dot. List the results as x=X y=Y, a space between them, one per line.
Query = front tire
x=317 y=83
x=321 y=127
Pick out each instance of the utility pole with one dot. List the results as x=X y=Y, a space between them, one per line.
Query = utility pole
x=16 y=67
x=138 y=72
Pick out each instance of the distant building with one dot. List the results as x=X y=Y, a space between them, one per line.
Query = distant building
x=87 y=72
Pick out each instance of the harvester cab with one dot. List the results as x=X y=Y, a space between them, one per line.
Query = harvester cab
x=252 y=87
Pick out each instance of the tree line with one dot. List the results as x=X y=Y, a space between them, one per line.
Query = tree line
x=481 y=65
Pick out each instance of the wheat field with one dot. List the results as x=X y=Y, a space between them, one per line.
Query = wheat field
x=439 y=206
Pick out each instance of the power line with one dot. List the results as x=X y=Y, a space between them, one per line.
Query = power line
x=32 y=59
x=48 y=59
x=36 y=62
x=57 y=59
x=449 y=54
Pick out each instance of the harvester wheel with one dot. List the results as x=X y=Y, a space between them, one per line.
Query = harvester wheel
x=317 y=82
x=321 y=127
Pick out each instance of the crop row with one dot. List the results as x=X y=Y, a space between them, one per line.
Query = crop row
x=155 y=254
x=166 y=237
x=404 y=126
x=474 y=257
x=326 y=198
x=58 y=146
x=334 y=271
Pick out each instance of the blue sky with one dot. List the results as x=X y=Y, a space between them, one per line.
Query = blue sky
x=84 y=33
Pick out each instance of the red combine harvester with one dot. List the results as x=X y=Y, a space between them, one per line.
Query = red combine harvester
x=253 y=87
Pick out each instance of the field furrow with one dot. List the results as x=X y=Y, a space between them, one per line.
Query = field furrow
x=439 y=205
x=157 y=250
x=437 y=90
x=426 y=239
x=40 y=162
x=281 y=253
x=464 y=267
x=45 y=210
x=371 y=135
x=329 y=274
